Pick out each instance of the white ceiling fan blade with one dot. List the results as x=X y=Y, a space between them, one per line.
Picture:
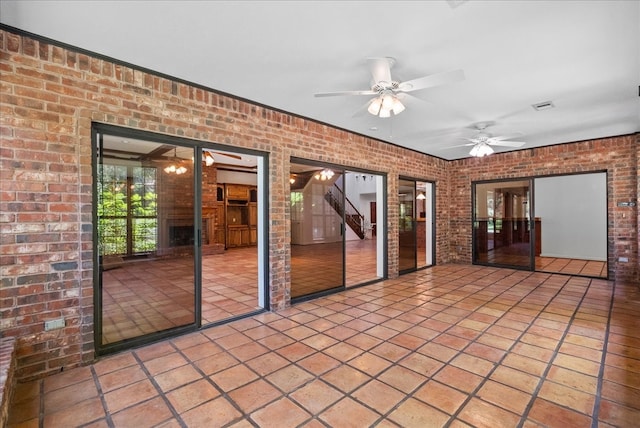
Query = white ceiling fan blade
x=431 y=81
x=339 y=93
x=507 y=137
x=362 y=110
x=456 y=146
x=381 y=69
x=492 y=142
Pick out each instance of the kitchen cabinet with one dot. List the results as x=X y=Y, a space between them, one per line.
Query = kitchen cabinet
x=241 y=215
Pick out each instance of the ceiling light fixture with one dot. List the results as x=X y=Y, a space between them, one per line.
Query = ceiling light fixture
x=173 y=169
x=208 y=159
x=324 y=175
x=384 y=104
x=421 y=196
x=481 y=149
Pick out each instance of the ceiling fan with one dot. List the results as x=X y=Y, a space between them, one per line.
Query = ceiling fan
x=388 y=92
x=481 y=142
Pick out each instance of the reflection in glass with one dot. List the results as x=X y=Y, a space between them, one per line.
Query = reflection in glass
x=407 y=226
x=364 y=237
x=145 y=238
x=502 y=224
x=571 y=217
x=316 y=201
x=229 y=238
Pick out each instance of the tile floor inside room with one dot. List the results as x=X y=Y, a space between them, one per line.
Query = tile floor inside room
x=453 y=345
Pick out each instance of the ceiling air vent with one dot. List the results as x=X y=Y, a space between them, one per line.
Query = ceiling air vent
x=545 y=105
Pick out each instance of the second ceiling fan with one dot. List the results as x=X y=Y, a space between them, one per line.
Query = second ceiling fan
x=388 y=92
x=482 y=141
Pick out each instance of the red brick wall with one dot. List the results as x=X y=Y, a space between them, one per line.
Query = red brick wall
x=50 y=97
x=637 y=208
x=618 y=156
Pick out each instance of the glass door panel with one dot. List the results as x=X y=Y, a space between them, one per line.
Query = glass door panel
x=502 y=226
x=317 y=246
x=424 y=223
x=146 y=237
x=407 y=248
x=230 y=207
x=364 y=234
x=571 y=224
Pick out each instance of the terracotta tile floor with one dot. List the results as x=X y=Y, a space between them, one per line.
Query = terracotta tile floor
x=572 y=266
x=153 y=295
x=454 y=345
x=569 y=266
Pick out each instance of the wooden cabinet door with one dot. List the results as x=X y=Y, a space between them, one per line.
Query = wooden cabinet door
x=237 y=192
x=234 y=237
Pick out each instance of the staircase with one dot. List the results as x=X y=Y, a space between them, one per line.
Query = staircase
x=352 y=216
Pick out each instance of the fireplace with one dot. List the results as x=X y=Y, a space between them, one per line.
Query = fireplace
x=180 y=236
x=179 y=231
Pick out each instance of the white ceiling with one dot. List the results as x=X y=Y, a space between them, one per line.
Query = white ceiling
x=584 y=56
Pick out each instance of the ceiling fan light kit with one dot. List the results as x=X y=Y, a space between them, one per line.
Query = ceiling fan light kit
x=208 y=159
x=387 y=90
x=384 y=104
x=483 y=141
x=388 y=93
x=481 y=149
x=175 y=167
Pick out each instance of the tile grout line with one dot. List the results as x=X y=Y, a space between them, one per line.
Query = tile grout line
x=385 y=341
x=345 y=363
x=96 y=381
x=596 y=404
x=543 y=376
x=401 y=289
x=429 y=378
x=458 y=351
x=225 y=394
x=162 y=395
x=473 y=393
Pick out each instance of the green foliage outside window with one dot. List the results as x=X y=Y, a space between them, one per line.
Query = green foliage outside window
x=127 y=210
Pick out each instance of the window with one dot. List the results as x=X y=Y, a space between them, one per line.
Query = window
x=127 y=209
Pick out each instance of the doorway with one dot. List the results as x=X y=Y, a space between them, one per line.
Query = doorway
x=333 y=230
x=552 y=224
x=161 y=232
x=416 y=222
x=502 y=224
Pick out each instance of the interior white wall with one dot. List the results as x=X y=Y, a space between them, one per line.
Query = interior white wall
x=360 y=192
x=573 y=213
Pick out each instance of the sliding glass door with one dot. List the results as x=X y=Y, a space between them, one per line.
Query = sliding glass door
x=571 y=216
x=502 y=224
x=416 y=222
x=407 y=239
x=425 y=221
x=179 y=228
x=365 y=228
x=337 y=228
x=565 y=232
x=317 y=245
x=146 y=228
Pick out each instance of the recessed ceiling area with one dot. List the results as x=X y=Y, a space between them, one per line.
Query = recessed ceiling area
x=582 y=58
